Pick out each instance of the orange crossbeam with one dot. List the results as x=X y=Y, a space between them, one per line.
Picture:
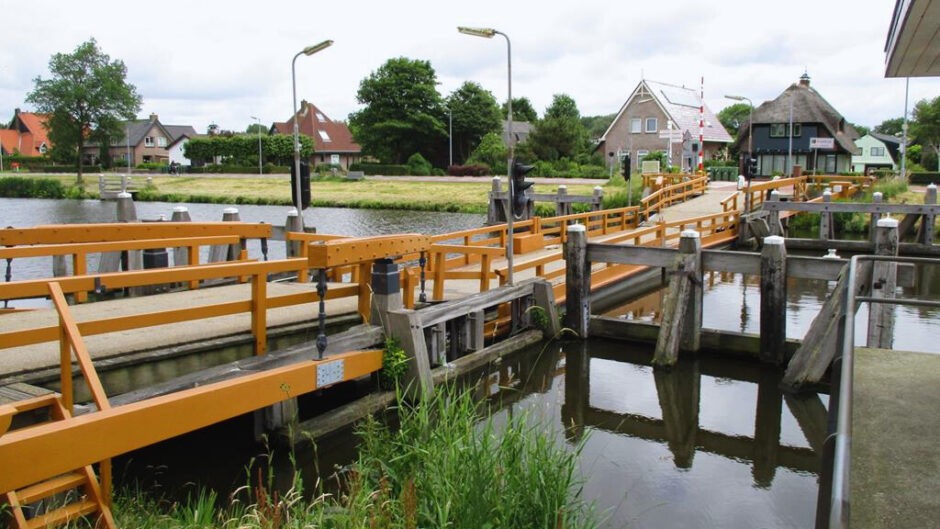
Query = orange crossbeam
x=339 y=252
x=34 y=454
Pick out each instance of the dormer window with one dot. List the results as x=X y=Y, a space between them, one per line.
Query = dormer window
x=324 y=136
x=320 y=117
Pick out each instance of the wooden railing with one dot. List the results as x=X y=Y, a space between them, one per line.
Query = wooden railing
x=671 y=194
x=757 y=193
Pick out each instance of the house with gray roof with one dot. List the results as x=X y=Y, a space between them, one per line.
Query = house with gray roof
x=143 y=140
x=812 y=117
x=655 y=110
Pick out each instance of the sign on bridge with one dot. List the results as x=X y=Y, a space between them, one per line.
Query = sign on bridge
x=822 y=143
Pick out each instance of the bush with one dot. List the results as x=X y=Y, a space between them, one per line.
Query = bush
x=418 y=165
x=372 y=169
x=26 y=187
x=151 y=165
x=469 y=170
x=70 y=169
x=925 y=178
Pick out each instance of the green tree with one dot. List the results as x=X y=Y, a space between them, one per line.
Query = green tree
x=596 y=126
x=925 y=126
x=403 y=113
x=560 y=133
x=860 y=129
x=87 y=93
x=492 y=152
x=522 y=110
x=256 y=128
x=475 y=114
x=732 y=117
x=892 y=126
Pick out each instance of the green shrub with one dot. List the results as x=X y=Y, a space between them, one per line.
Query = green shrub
x=26 y=187
x=372 y=169
x=418 y=165
x=925 y=178
x=469 y=170
x=394 y=364
x=70 y=169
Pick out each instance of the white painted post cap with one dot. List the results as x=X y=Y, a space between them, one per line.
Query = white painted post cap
x=563 y=186
x=878 y=194
x=124 y=194
x=690 y=234
x=180 y=209
x=773 y=240
x=576 y=228
x=931 y=186
x=598 y=188
x=230 y=211
x=292 y=213
x=496 y=178
x=827 y=191
x=831 y=254
x=887 y=222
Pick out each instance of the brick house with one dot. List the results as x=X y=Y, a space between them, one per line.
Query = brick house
x=26 y=134
x=332 y=141
x=655 y=107
x=145 y=140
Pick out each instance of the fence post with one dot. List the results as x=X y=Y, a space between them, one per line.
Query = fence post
x=825 y=218
x=181 y=254
x=927 y=226
x=690 y=243
x=598 y=203
x=294 y=223
x=773 y=300
x=681 y=325
x=773 y=215
x=561 y=206
x=876 y=198
x=223 y=252
x=884 y=282
x=577 y=281
x=493 y=211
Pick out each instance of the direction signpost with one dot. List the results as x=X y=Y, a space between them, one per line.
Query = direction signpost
x=820 y=143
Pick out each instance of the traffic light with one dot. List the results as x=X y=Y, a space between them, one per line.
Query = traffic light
x=750 y=168
x=625 y=167
x=519 y=185
x=304 y=185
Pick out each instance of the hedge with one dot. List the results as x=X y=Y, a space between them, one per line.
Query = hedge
x=25 y=187
x=238 y=169
x=70 y=169
x=480 y=169
x=371 y=169
x=925 y=178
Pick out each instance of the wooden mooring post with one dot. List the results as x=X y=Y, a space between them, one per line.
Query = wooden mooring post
x=927 y=225
x=577 y=281
x=825 y=219
x=884 y=283
x=681 y=327
x=773 y=300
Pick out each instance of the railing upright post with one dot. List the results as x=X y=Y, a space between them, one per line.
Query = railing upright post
x=259 y=307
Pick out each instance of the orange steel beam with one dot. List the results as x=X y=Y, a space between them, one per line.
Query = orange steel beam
x=339 y=252
x=31 y=455
x=112 y=246
x=119 y=231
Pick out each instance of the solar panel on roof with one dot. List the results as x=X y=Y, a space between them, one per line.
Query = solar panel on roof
x=678 y=96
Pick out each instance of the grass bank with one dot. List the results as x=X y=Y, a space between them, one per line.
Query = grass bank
x=445 y=465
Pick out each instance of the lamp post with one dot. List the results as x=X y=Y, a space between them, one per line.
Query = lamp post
x=750 y=145
x=489 y=33
x=450 y=137
x=127 y=133
x=907 y=85
x=260 y=172
x=309 y=50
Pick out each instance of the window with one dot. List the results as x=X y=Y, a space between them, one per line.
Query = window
x=640 y=154
x=779 y=130
x=324 y=136
x=161 y=141
x=651 y=125
x=635 y=125
x=877 y=151
x=320 y=117
x=148 y=141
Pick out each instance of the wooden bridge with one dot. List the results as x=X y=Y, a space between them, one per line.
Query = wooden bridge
x=367 y=280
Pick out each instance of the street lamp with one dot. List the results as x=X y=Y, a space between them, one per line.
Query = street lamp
x=450 y=136
x=489 y=33
x=309 y=50
x=750 y=146
x=260 y=172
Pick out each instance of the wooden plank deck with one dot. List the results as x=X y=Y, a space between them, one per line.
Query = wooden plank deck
x=895 y=465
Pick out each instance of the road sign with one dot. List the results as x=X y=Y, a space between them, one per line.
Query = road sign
x=674 y=136
x=822 y=143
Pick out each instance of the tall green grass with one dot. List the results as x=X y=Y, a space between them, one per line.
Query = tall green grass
x=445 y=464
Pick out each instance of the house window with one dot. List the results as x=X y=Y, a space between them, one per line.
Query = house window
x=148 y=141
x=779 y=130
x=651 y=125
x=797 y=130
x=320 y=117
x=635 y=125
x=161 y=141
x=640 y=154
x=877 y=151
x=324 y=136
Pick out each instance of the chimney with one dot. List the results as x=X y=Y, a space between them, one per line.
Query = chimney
x=16 y=112
x=804 y=79
x=153 y=117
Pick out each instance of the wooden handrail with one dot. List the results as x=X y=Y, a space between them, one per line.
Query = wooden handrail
x=120 y=231
x=44 y=250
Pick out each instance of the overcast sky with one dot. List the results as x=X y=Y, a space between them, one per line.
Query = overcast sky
x=199 y=62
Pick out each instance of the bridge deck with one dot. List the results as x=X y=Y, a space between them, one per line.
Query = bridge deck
x=895 y=453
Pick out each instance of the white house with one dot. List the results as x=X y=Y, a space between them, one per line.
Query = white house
x=877 y=152
x=176 y=153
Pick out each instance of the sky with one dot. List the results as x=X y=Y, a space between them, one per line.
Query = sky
x=202 y=62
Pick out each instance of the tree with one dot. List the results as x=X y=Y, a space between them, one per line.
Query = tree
x=256 y=128
x=403 y=114
x=596 y=126
x=475 y=113
x=560 y=133
x=925 y=126
x=491 y=152
x=732 y=117
x=891 y=127
x=87 y=95
x=522 y=110
x=862 y=130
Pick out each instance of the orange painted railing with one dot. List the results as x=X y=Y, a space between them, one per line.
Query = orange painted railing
x=671 y=194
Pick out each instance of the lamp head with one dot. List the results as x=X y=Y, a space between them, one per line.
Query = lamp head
x=310 y=50
x=477 y=32
x=736 y=98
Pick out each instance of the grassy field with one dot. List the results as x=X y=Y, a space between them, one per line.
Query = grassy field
x=468 y=197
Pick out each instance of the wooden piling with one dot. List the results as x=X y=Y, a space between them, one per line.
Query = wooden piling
x=773 y=300
x=180 y=255
x=927 y=225
x=495 y=212
x=884 y=283
x=405 y=326
x=876 y=198
x=562 y=207
x=682 y=309
x=294 y=223
x=577 y=281
x=825 y=219
x=773 y=216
